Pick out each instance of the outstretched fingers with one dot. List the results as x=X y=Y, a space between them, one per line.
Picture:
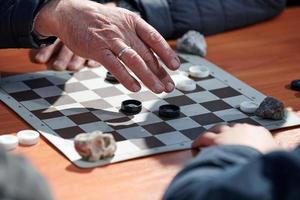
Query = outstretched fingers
x=157 y=43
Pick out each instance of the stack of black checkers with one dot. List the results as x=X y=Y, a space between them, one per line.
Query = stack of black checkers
x=110 y=78
x=169 y=111
x=131 y=107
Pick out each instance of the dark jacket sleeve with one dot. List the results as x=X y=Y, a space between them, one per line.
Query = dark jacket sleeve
x=172 y=18
x=16 y=20
x=236 y=172
x=19 y=180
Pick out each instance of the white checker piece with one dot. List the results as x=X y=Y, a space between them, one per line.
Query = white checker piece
x=50 y=91
x=59 y=122
x=172 y=138
x=71 y=109
x=230 y=114
x=83 y=96
x=134 y=132
x=183 y=123
x=36 y=104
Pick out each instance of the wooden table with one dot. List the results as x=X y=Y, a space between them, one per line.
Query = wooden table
x=266 y=56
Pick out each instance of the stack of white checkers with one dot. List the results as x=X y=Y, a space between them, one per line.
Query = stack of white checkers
x=25 y=138
x=184 y=83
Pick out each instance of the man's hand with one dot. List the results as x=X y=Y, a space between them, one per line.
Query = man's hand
x=101 y=33
x=256 y=137
x=63 y=58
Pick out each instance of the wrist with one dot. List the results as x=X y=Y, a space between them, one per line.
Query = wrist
x=46 y=21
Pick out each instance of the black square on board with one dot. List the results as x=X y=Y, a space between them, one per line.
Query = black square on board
x=180 y=100
x=25 y=95
x=225 y=92
x=69 y=133
x=216 y=105
x=84 y=118
x=193 y=133
x=207 y=119
x=147 y=143
x=38 y=83
x=159 y=128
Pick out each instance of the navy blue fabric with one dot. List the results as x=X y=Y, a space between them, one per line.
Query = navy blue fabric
x=236 y=172
x=172 y=18
x=16 y=20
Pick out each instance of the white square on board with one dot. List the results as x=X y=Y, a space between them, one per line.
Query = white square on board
x=15 y=87
x=71 y=109
x=83 y=96
x=36 y=104
x=59 y=122
x=193 y=110
x=50 y=91
x=183 y=123
x=172 y=138
x=211 y=84
x=96 y=126
x=230 y=114
x=134 y=132
x=201 y=97
x=146 y=118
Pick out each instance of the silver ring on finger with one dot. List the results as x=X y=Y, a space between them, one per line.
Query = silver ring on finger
x=123 y=51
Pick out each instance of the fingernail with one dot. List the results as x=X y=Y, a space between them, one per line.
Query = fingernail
x=170 y=87
x=136 y=88
x=175 y=63
x=159 y=88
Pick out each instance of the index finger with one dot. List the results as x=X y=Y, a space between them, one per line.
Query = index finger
x=157 y=43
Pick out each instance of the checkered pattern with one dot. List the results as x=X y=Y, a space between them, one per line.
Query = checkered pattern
x=84 y=102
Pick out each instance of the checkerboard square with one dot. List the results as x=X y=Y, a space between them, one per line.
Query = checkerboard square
x=126 y=147
x=211 y=84
x=217 y=105
x=47 y=113
x=225 y=92
x=70 y=132
x=108 y=92
x=60 y=78
x=180 y=100
x=36 y=104
x=183 y=123
x=143 y=96
x=60 y=100
x=84 y=118
x=121 y=123
x=146 y=118
x=245 y=121
x=158 y=128
x=96 y=104
x=84 y=96
x=85 y=75
x=147 y=143
x=15 y=87
x=194 y=109
x=207 y=119
x=230 y=114
x=133 y=132
x=202 y=97
x=172 y=138
x=25 y=95
x=201 y=79
x=72 y=109
x=193 y=133
x=96 y=83
x=108 y=114
x=72 y=87
x=116 y=101
x=96 y=126
x=59 y=122
x=116 y=136
x=175 y=93
x=154 y=104
x=236 y=101
x=38 y=83
x=48 y=91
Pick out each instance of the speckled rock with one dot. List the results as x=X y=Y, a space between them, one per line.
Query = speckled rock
x=95 y=146
x=192 y=42
x=270 y=108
